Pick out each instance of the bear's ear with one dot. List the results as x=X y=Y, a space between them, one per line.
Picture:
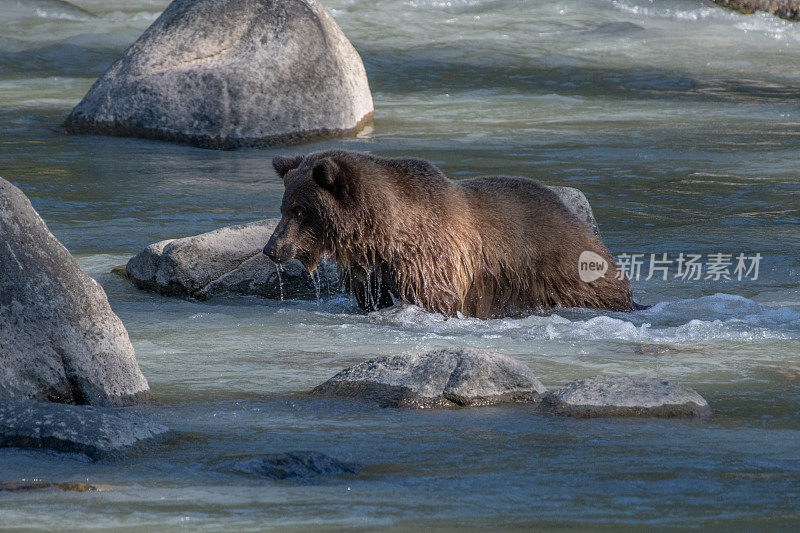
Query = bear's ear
x=283 y=164
x=328 y=175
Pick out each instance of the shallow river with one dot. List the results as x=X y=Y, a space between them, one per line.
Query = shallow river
x=678 y=119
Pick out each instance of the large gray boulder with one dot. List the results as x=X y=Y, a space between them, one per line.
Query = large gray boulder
x=786 y=9
x=442 y=378
x=99 y=432
x=231 y=73
x=229 y=261
x=621 y=396
x=59 y=338
x=224 y=262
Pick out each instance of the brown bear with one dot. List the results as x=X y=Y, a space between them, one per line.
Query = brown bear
x=399 y=229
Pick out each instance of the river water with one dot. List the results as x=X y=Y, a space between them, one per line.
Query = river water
x=678 y=119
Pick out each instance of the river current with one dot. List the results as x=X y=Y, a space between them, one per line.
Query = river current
x=680 y=121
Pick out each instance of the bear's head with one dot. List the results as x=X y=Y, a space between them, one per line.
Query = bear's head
x=319 y=204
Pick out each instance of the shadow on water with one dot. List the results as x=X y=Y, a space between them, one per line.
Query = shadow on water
x=410 y=71
x=61 y=59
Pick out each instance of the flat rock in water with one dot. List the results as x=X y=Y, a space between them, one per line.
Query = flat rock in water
x=232 y=73
x=224 y=262
x=98 y=432
x=59 y=338
x=620 y=396
x=295 y=466
x=786 y=9
x=442 y=378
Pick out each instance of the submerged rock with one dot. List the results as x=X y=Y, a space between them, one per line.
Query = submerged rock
x=59 y=9
x=98 y=432
x=786 y=9
x=620 y=396
x=224 y=262
x=231 y=73
x=295 y=466
x=229 y=261
x=20 y=486
x=59 y=338
x=442 y=378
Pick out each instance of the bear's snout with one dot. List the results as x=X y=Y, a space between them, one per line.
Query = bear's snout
x=279 y=253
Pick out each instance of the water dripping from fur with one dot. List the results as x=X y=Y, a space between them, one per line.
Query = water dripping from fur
x=348 y=277
x=367 y=290
x=279 y=270
x=315 y=279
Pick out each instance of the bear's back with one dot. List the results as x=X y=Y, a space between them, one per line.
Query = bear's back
x=530 y=245
x=520 y=208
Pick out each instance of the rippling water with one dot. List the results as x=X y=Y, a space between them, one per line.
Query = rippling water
x=679 y=120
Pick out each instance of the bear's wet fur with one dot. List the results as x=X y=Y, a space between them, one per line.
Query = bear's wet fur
x=399 y=229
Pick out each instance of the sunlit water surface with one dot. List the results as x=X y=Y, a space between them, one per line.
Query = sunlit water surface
x=678 y=119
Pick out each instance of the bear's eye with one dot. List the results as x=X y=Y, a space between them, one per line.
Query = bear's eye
x=297 y=212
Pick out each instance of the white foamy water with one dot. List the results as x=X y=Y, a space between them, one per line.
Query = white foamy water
x=678 y=119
